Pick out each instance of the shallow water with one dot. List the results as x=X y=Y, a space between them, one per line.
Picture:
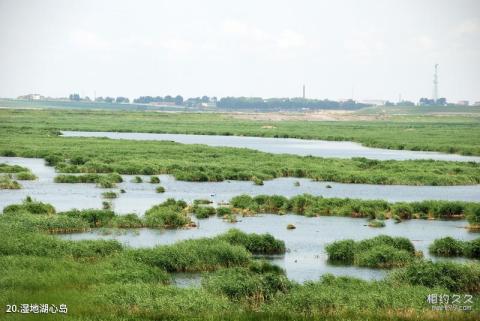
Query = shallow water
x=302 y=147
x=140 y=197
x=306 y=258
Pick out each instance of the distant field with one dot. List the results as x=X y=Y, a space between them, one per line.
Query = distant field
x=448 y=134
x=28 y=104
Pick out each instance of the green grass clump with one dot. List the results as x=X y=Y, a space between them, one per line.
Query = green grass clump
x=6 y=182
x=341 y=251
x=203 y=211
x=376 y=223
x=94 y=217
x=222 y=211
x=137 y=179
x=154 y=180
x=126 y=221
x=160 y=189
x=25 y=176
x=109 y=195
x=6 y=168
x=194 y=255
x=169 y=214
x=255 y=243
x=472 y=249
x=310 y=205
x=53 y=224
x=456 y=277
x=474 y=217
x=102 y=180
x=379 y=252
x=448 y=246
x=30 y=206
x=246 y=284
x=202 y=202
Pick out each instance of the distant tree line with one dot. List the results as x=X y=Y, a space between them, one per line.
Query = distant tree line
x=432 y=102
x=177 y=100
x=119 y=100
x=285 y=103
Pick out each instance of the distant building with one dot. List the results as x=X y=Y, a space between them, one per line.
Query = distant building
x=207 y=105
x=373 y=102
x=32 y=97
x=463 y=102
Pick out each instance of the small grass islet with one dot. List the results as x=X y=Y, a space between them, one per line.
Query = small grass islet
x=379 y=252
x=450 y=247
x=6 y=182
x=375 y=210
x=109 y=195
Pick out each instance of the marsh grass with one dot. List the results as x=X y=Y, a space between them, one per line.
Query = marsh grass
x=160 y=189
x=456 y=277
x=169 y=214
x=448 y=246
x=30 y=206
x=25 y=176
x=310 y=205
x=203 y=211
x=255 y=243
x=154 y=180
x=104 y=280
x=204 y=163
x=379 y=252
x=102 y=180
x=6 y=182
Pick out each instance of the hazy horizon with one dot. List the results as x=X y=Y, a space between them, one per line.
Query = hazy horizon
x=338 y=49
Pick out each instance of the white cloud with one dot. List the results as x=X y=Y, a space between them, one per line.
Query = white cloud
x=468 y=27
x=290 y=39
x=88 y=40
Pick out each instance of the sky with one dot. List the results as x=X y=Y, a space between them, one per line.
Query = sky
x=368 y=49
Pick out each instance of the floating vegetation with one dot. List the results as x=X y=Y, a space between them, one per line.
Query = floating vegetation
x=137 y=179
x=202 y=202
x=106 y=205
x=160 y=189
x=376 y=223
x=109 y=195
x=154 y=180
